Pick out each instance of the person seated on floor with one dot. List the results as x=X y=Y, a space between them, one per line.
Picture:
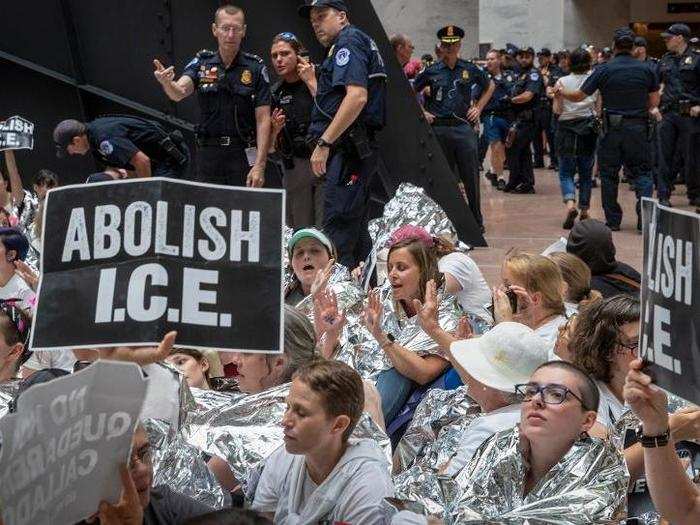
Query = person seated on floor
x=490 y=365
x=14 y=333
x=412 y=262
x=592 y=241
x=604 y=342
x=531 y=293
x=577 y=278
x=319 y=474
x=140 y=502
x=310 y=252
x=675 y=496
x=547 y=465
x=199 y=367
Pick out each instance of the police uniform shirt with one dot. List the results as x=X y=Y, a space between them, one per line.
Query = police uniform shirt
x=681 y=76
x=624 y=83
x=229 y=95
x=353 y=60
x=115 y=140
x=528 y=80
x=295 y=99
x=451 y=89
x=503 y=83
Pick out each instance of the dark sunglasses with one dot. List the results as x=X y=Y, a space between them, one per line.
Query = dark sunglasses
x=288 y=37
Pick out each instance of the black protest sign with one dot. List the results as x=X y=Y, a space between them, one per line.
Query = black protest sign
x=124 y=262
x=61 y=450
x=16 y=133
x=670 y=333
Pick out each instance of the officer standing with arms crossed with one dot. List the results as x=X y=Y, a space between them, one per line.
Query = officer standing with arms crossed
x=233 y=135
x=680 y=75
x=630 y=90
x=349 y=108
x=448 y=108
x=140 y=146
x=525 y=97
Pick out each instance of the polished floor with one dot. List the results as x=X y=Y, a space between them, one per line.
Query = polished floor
x=533 y=222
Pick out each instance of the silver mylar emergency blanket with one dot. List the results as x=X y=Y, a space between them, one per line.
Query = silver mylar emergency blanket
x=588 y=485
x=363 y=353
x=430 y=441
x=411 y=205
x=8 y=391
x=246 y=429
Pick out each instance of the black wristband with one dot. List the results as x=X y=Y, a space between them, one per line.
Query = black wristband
x=653 y=441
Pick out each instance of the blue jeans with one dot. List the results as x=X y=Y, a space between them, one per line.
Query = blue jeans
x=394 y=389
x=567 y=170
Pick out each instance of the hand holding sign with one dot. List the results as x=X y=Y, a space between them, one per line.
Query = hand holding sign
x=141 y=356
x=129 y=510
x=646 y=400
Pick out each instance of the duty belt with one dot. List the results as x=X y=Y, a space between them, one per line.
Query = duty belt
x=218 y=141
x=448 y=121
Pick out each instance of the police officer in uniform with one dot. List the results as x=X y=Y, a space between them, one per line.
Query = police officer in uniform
x=543 y=112
x=137 y=145
x=233 y=88
x=349 y=108
x=629 y=89
x=525 y=96
x=680 y=75
x=448 y=107
x=497 y=116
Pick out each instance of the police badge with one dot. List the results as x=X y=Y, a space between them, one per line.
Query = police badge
x=465 y=75
x=247 y=77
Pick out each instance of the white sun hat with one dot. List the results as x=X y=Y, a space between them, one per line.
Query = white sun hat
x=504 y=356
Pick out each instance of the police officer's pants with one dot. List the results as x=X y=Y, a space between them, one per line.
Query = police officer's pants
x=461 y=148
x=674 y=134
x=543 y=122
x=519 y=157
x=345 y=200
x=626 y=144
x=222 y=165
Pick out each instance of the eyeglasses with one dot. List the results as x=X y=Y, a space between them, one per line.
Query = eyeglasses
x=551 y=394
x=231 y=29
x=142 y=455
x=631 y=347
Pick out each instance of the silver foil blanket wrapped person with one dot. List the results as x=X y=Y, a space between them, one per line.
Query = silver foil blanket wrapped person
x=429 y=443
x=363 y=353
x=588 y=485
x=245 y=429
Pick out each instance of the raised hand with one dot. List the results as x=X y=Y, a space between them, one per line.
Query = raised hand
x=372 y=315
x=428 y=311
x=646 y=400
x=141 y=356
x=321 y=280
x=163 y=75
x=279 y=119
x=327 y=318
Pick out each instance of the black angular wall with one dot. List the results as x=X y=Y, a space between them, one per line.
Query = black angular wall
x=85 y=58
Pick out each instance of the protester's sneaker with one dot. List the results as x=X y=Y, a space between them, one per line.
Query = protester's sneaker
x=501 y=185
x=491 y=176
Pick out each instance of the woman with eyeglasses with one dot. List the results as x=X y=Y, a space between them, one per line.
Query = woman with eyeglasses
x=547 y=468
x=293 y=99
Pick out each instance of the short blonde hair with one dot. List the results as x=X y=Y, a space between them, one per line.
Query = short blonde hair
x=577 y=276
x=537 y=273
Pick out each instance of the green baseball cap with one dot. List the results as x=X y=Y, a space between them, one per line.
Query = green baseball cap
x=311 y=233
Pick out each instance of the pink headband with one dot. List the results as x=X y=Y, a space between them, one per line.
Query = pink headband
x=410 y=232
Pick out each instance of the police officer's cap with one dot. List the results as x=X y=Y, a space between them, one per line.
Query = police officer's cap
x=544 y=52
x=640 y=41
x=450 y=34
x=511 y=49
x=64 y=133
x=526 y=51
x=305 y=10
x=675 y=30
x=623 y=34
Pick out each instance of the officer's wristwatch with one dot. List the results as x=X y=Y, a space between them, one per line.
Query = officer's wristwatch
x=322 y=143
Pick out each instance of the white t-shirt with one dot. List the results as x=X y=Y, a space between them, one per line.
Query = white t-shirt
x=610 y=408
x=17 y=288
x=353 y=492
x=549 y=331
x=40 y=359
x=480 y=430
x=574 y=110
x=475 y=294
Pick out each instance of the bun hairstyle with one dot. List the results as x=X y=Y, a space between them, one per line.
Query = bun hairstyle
x=425 y=249
x=577 y=276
